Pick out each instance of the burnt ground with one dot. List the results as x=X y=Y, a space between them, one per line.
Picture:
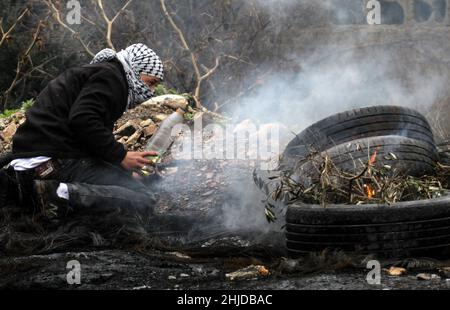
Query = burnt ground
x=118 y=269
x=211 y=223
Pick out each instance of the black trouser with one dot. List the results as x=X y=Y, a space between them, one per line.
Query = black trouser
x=93 y=183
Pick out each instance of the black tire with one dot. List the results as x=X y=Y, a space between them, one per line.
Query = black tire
x=401 y=229
x=444 y=152
x=356 y=124
x=412 y=157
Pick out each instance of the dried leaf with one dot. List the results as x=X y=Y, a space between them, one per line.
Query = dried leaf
x=391 y=156
x=270 y=215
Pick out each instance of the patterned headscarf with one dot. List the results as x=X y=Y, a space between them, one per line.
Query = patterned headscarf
x=136 y=59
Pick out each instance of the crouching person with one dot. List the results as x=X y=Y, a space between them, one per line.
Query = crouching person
x=65 y=155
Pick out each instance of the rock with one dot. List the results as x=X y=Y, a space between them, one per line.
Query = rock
x=289 y=265
x=172 y=101
x=160 y=117
x=134 y=138
x=146 y=123
x=3 y=124
x=127 y=129
x=427 y=277
x=175 y=101
x=180 y=255
x=171 y=278
x=9 y=132
x=395 y=271
x=123 y=140
x=198 y=270
x=149 y=103
x=142 y=287
x=248 y=273
x=149 y=130
x=184 y=275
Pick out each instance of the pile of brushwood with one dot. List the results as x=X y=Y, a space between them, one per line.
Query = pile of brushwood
x=373 y=184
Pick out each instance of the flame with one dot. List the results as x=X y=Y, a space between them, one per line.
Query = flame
x=373 y=158
x=370 y=191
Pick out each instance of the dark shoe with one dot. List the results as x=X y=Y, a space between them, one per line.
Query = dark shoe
x=51 y=206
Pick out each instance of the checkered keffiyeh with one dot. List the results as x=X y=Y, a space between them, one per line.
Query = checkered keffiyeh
x=136 y=59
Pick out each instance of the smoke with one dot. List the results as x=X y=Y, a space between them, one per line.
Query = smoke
x=338 y=83
x=329 y=70
x=343 y=67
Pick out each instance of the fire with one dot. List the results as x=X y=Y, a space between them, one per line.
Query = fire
x=370 y=191
x=373 y=158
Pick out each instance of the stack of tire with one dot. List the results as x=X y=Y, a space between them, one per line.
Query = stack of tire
x=396 y=230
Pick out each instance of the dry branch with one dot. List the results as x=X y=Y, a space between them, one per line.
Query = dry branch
x=76 y=34
x=21 y=61
x=198 y=75
x=5 y=35
x=110 y=22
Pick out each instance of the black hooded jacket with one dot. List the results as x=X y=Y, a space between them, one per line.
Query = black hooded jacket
x=74 y=115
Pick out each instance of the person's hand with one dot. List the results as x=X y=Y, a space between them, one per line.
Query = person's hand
x=137 y=160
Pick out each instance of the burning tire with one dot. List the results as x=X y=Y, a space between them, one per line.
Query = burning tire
x=396 y=138
x=356 y=124
x=400 y=229
x=403 y=156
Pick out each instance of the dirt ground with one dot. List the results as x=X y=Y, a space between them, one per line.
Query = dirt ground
x=202 y=256
x=131 y=270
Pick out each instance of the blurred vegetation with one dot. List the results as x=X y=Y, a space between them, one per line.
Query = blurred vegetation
x=236 y=35
x=161 y=89
x=24 y=107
